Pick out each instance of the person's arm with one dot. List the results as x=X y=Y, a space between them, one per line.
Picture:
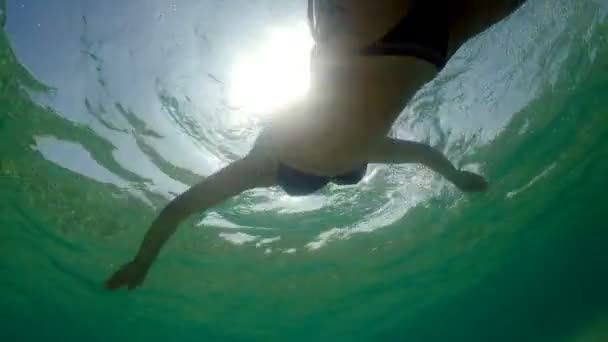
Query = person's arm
x=242 y=175
x=395 y=151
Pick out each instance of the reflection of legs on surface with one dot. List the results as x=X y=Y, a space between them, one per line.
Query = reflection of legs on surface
x=472 y=17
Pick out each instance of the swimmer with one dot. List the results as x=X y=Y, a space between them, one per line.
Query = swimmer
x=369 y=60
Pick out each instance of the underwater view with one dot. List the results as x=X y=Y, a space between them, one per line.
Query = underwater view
x=109 y=109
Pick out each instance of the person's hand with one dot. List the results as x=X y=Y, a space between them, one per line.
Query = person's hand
x=131 y=275
x=470 y=182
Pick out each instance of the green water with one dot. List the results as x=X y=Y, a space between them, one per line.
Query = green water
x=402 y=257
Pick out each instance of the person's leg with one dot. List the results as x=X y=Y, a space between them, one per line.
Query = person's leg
x=395 y=151
x=469 y=18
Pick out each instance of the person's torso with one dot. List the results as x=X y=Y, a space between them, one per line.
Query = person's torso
x=352 y=105
x=354 y=98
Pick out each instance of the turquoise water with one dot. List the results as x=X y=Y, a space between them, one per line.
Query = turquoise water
x=108 y=109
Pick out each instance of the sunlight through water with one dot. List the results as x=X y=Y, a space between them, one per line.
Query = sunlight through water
x=274 y=73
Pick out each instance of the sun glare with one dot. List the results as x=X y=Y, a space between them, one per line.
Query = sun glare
x=274 y=73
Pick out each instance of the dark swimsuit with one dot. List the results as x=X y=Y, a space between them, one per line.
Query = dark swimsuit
x=298 y=183
x=422 y=33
